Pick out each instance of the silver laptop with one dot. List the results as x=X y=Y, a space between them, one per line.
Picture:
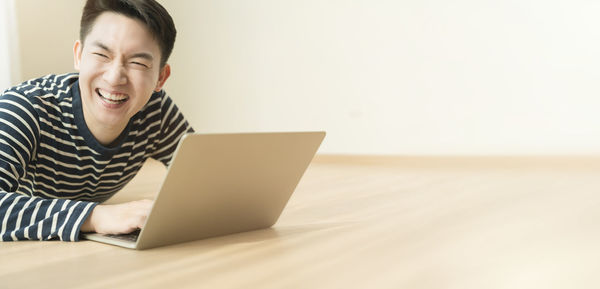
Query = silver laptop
x=219 y=184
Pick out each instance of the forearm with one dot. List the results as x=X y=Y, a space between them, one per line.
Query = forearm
x=87 y=226
x=27 y=218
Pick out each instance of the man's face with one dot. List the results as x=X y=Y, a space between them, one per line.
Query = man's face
x=119 y=69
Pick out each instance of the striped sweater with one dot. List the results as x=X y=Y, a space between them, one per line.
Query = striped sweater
x=53 y=171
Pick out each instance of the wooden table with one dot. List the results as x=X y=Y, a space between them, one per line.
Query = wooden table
x=367 y=222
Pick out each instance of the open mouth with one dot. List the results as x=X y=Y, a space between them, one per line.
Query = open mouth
x=112 y=98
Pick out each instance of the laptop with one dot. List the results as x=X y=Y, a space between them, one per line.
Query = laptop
x=220 y=184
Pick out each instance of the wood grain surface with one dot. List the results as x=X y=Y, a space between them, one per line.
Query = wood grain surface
x=366 y=222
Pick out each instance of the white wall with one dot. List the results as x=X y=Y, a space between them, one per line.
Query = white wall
x=381 y=76
x=47 y=32
x=391 y=76
x=9 y=68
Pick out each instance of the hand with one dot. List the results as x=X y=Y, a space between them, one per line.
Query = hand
x=118 y=219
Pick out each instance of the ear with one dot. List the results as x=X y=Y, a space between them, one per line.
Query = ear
x=77 y=47
x=165 y=72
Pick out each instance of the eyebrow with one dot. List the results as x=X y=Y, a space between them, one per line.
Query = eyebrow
x=143 y=55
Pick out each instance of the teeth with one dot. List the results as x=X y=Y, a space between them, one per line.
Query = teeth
x=110 y=96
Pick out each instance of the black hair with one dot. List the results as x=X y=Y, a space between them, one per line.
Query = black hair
x=151 y=13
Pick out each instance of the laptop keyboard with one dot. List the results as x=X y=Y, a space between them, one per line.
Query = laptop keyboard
x=131 y=237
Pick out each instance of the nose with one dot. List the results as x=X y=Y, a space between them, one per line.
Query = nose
x=115 y=75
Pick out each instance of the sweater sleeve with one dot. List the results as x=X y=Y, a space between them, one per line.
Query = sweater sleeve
x=22 y=216
x=173 y=127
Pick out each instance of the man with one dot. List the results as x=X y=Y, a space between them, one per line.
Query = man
x=69 y=142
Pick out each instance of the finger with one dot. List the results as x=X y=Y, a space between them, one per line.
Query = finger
x=142 y=221
x=145 y=204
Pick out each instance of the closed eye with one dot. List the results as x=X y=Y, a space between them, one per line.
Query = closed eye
x=100 y=54
x=139 y=64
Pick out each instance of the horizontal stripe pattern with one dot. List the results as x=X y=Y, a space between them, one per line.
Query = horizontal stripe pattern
x=53 y=172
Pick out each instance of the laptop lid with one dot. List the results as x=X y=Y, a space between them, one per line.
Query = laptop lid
x=219 y=184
